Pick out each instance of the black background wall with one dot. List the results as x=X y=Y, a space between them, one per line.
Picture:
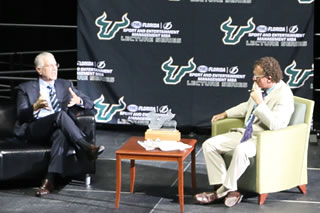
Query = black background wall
x=28 y=27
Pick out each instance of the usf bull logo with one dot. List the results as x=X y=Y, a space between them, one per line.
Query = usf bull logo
x=297 y=77
x=174 y=73
x=108 y=29
x=104 y=112
x=233 y=33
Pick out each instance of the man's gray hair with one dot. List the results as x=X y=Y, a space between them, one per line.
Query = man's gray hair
x=38 y=59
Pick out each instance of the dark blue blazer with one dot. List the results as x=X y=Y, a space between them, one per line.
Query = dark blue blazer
x=29 y=92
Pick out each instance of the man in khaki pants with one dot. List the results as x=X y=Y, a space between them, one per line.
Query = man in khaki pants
x=261 y=113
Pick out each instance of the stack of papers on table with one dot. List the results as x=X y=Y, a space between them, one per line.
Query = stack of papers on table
x=164 y=145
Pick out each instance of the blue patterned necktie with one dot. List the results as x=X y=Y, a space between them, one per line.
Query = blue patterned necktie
x=248 y=132
x=53 y=99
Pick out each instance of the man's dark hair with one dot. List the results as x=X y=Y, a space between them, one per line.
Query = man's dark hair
x=271 y=67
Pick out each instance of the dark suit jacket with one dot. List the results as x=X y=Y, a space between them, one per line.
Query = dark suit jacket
x=29 y=92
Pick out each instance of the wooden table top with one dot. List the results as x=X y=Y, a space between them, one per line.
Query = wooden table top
x=132 y=147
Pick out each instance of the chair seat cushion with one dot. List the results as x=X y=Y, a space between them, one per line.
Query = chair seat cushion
x=19 y=159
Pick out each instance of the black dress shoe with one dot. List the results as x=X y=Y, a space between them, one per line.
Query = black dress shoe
x=46 y=188
x=94 y=151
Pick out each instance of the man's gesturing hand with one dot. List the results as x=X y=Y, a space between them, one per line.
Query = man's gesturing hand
x=74 y=98
x=41 y=103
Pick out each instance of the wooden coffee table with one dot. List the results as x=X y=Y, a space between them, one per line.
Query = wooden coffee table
x=133 y=151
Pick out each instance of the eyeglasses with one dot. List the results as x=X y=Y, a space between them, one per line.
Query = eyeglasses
x=51 y=66
x=256 y=77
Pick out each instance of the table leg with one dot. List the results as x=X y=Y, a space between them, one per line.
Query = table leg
x=180 y=185
x=193 y=171
x=132 y=175
x=118 y=180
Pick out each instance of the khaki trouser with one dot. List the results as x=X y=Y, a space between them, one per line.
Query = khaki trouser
x=214 y=147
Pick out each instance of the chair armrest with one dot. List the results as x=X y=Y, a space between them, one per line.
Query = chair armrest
x=224 y=125
x=86 y=122
x=282 y=157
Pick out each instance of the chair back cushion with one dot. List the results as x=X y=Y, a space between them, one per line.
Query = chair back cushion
x=7 y=119
x=299 y=113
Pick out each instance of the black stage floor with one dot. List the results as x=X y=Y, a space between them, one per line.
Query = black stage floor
x=156 y=187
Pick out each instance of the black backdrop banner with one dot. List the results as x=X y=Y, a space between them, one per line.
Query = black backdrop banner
x=193 y=57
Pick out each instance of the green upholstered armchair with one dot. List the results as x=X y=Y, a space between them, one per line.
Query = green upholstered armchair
x=281 y=160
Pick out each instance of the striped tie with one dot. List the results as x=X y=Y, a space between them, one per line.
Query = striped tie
x=53 y=99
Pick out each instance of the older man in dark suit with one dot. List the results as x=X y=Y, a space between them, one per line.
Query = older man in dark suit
x=42 y=107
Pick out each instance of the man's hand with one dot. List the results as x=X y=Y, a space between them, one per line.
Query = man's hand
x=41 y=103
x=219 y=116
x=256 y=93
x=74 y=98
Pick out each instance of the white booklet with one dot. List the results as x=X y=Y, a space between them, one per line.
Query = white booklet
x=164 y=145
